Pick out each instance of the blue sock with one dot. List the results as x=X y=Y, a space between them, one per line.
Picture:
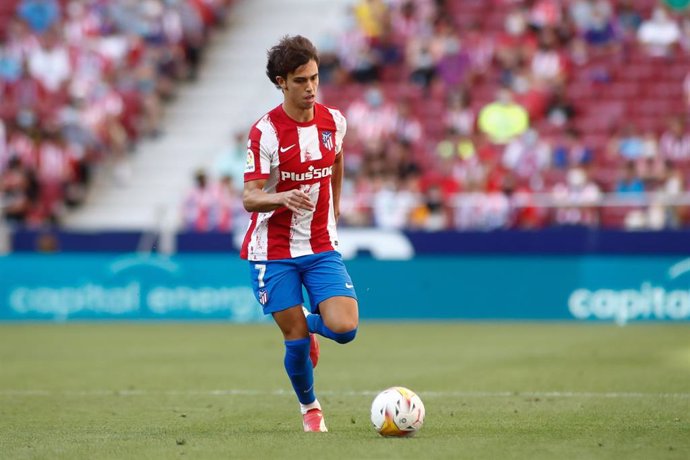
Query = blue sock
x=299 y=369
x=316 y=325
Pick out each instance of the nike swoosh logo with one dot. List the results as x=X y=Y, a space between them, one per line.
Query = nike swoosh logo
x=349 y=286
x=285 y=149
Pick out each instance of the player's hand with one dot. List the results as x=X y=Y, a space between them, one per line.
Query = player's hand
x=296 y=201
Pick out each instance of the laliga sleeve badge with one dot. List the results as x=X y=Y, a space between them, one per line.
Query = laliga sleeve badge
x=251 y=165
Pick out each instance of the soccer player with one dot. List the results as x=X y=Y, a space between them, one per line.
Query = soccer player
x=292 y=183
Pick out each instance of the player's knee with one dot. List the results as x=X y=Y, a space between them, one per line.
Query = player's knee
x=343 y=325
x=346 y=337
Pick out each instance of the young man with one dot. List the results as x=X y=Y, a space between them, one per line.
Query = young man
x=292 y=187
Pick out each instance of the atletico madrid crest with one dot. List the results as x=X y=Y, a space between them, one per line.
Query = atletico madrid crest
x=263 y=297
x=327 y=139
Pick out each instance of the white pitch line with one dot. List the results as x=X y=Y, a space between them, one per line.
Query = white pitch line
x=441 y=394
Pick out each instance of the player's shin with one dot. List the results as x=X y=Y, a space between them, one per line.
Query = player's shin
x=299 y=369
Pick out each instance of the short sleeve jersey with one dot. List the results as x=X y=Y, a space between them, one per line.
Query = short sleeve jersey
x=294 y=155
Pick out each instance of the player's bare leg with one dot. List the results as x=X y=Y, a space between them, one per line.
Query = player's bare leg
x=337 y=320
x=293 y=325
x=340 y=314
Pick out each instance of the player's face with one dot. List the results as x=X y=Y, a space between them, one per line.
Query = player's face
x=301 y=86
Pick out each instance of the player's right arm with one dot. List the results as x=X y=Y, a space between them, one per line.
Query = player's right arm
x=255 y=199
x=262 y=150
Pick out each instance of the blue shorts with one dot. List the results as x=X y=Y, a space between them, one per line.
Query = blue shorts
x=278 y=283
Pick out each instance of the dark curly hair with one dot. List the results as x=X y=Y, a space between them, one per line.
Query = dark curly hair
x=289 y=54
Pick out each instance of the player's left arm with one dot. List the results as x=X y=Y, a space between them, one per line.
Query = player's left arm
x=337 y=182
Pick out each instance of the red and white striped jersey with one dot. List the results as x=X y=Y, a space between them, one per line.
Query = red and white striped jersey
x=293 y=155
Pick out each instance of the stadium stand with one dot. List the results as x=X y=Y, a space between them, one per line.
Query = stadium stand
x=604 y=83
x=81 y=83
x=581 y=69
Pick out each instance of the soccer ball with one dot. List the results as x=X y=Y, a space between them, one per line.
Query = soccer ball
x=397 y=411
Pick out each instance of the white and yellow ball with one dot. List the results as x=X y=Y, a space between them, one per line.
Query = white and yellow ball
x=397 y=411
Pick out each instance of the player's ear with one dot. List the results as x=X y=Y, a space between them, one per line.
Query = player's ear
x=281 y=82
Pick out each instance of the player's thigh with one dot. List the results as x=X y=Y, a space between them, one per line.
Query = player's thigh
x=324 y=275
x=277 y=284
x=340 y=314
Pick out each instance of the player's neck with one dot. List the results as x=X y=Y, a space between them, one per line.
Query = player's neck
x=297 y=114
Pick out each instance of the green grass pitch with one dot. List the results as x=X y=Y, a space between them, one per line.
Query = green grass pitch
x=214 y=390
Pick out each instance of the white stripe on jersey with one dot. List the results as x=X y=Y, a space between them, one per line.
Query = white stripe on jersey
x=309 y=143
x=258 y=244
x=269 y=144
x=332 y=224
x=340 y=128
x=300 y=227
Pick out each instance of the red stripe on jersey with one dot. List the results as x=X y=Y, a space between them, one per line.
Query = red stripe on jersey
x=279 y=227
x=244 y=253
x=253 y=167
x=321 y=240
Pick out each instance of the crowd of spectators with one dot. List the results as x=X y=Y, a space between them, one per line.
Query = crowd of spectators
x=463 y=114
x=470 y=121
x=81 y=82
x=485 y=114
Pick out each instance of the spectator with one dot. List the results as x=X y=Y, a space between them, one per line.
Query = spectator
x=197 y=206
x=630 y=182
x=40 y=15
x=593 y=20
x=659 y=33
x=357 y=56
x=10 y=67
x=628 y=20
x=545 y=13
x=25 y=98
x=662 y=213
x=401 y=158
x=455 y=144
x=431 y=213
x=373 y=118
x=355 y=202
x=547 y=64
x=420 y=61
x=481 y=209
x=226 y=203
x=559 y=111
x=452 y=61
x=628 y=144
x=674 y=143
x=503 y=119
x=459 y=115
x=50 y=63
x=231 y=161
x=406 y=23
x=18 y=190
x=576 y=199
x=372 y=18
x=393 y=202
x=571 y=151
x=407 y=128
x=527 y=156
